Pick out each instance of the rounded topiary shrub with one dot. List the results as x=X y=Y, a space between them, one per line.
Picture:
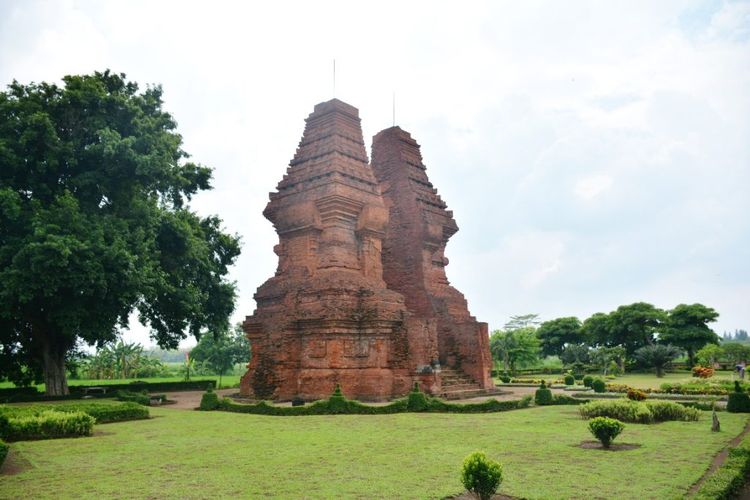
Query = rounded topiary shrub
x=209 y=401
x=543 y=395
x=587 y=380
x=739 y=401
x=598 y=385
x=605 y=429
x=481 y=475
x=569 y=379
x=417 y=400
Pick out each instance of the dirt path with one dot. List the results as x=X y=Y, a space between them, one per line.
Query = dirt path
x=190 y=400
x=719 y=461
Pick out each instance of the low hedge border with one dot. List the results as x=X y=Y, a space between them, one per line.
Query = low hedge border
x=49 y=424
x=102 y=412
x=654 y=396
x=31 y=394
x=337 y=404
x=727 y=481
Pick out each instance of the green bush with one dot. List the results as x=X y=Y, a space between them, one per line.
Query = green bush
x=605 y=429
x=338 y=404
x=209 y=401
x=50 y=424
x=738 y=401
x=587 y=380
x=3 y=423
x=598 y=385
x=564 y=399
x=106 y=413
x=417 y=400
x=3 y=452
x=638 y=412
x=505 y=379
x=102 y=412
x=142 y=398
x=570 y=380
x=481 y=475
x=543 y=395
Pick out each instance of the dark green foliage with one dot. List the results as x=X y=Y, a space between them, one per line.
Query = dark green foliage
x=4 y=425
x=94 y=223
x=658 y=356
x=137 y=397
x=341 y=405
x=638 y=412
x=738 y=401
x=598 y=385
x=49 y=424
x=728 y=479
x=587 y=380
x=555 y=334
x=543 y=395
x=687 y=328
x=605 y=429
x=570 y=379
x=564 y=399
x=3 y=452
x=209 y=401
x=417 y=401
x=481 y=475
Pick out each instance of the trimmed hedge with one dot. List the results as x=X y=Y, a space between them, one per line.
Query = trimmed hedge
x=337 y=404
x=3 y=452
x=49 y=424
x=543 y=396
x=209 y=401
x=728 y=479
x=102 y=412
x=639 y=412
x=31 y=394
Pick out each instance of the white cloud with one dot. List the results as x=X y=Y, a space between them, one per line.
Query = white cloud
x=606 y=140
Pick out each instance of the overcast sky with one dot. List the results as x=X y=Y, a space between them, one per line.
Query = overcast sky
x=594 y=153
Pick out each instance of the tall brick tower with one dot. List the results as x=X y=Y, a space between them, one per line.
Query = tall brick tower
x=414 y=260
x=327 y=317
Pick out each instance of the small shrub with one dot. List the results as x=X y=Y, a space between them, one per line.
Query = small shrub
x=605 y=429
x=481 y=475
x=417 y=400
x=505 y=379
x=739 y=401
x=703 y=371
x=664 y=411
x=598 y=385
x=636 y=394
x=209 y=401
x=587 y=380
x=570 y=379
x=543 y=395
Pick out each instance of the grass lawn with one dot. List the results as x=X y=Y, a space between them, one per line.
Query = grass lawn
x=226 y=381
x=650 y=380
x=189 y=454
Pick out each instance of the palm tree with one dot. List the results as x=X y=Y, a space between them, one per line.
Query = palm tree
x=658 y=355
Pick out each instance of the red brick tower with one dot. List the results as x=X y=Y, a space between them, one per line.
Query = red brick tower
x=327 y=317
x=414 y=262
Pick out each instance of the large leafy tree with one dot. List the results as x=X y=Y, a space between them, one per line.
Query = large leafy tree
x=94 y=224
x=515 y=348
x=634 y=326
x=555 y=334
x=222 y=350
x=686 y=327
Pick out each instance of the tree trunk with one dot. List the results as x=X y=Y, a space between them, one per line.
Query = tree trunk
x=53 y=357
x=691 y=357
x=659 y=371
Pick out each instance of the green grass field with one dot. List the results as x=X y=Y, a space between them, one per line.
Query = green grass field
x=226 y=381
x=188 y=454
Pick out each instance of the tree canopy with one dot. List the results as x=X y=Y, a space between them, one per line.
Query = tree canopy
x=687 y=327
x=222 y=350
x=94 y=223
x=514 y=347
x=555 y=334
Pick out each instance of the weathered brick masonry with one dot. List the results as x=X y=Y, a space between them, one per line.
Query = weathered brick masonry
x=328 y=315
